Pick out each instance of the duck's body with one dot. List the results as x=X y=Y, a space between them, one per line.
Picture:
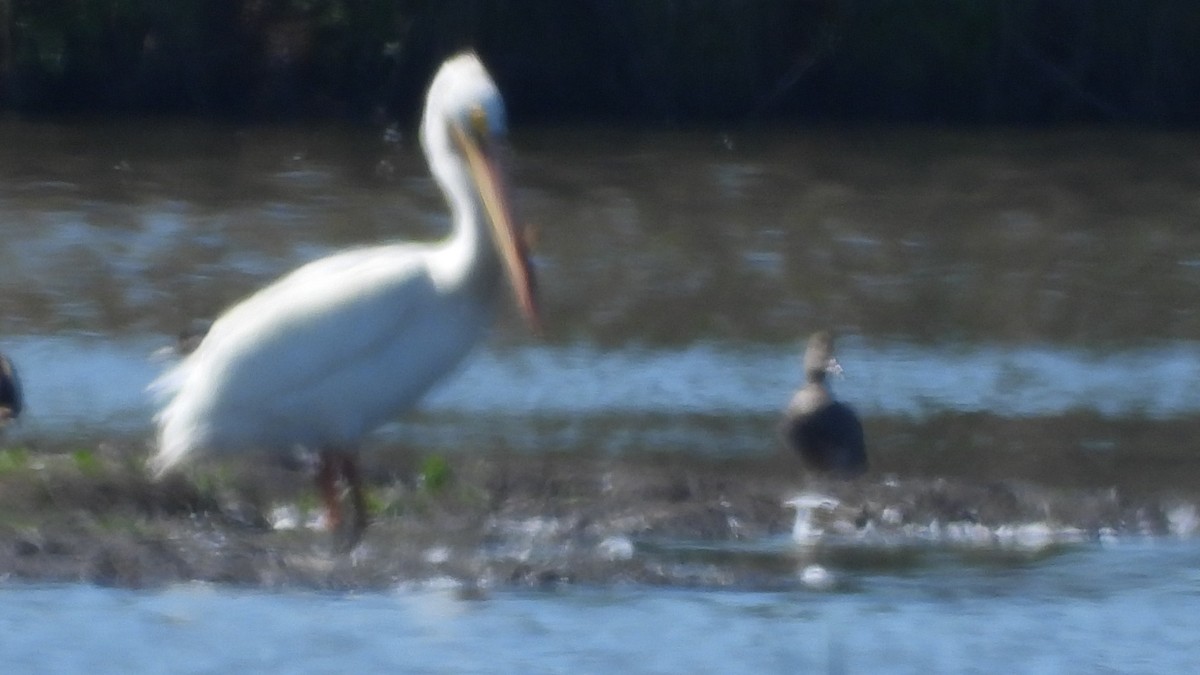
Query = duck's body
x=825 y=432
x=330 y=352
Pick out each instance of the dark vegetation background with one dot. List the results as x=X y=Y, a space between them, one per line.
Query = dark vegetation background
x=638 y=61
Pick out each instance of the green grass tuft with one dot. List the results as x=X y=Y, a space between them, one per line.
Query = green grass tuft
x=436 y=473
x=13 y=459
x=86 y=462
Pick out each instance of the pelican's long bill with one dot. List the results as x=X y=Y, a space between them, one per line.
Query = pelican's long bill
x=489 y=180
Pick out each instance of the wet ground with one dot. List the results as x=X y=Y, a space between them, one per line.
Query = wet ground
x=498 y=520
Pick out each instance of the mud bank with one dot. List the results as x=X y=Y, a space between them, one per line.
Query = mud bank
x=494 y=520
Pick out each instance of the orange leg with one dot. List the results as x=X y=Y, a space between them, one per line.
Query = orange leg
x=357 y=497
x=333 y=466
x=327 y=477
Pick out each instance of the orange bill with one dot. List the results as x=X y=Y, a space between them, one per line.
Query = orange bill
x=509 y=241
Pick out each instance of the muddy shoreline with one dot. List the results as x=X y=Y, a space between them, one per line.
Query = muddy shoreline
x=502 y=519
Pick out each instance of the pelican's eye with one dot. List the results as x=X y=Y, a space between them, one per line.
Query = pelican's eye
x=479 y=121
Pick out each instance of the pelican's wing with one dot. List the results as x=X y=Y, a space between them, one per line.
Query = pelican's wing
x=284 y=338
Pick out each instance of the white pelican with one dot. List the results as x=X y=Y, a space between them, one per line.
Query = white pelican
x=331 y=351
x=10 y=392
x=825 y=432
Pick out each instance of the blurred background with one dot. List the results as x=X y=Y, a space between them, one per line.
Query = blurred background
x=681 y=62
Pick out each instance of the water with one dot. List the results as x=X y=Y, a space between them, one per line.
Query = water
x=1124 y=610
x=1012 y=306
x=75 y=387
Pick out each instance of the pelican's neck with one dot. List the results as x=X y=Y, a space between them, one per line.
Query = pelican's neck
x=467 y=257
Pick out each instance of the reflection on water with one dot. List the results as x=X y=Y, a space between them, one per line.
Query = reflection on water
x=1070 y=239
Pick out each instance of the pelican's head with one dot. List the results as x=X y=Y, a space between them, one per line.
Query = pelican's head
x=463 y=133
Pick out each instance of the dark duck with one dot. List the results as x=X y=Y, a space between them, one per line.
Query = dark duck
x=10 y=392
x=825 y=432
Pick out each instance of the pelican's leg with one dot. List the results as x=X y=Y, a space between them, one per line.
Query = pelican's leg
x=327 y=475
x=337 y=465
x=357 y=497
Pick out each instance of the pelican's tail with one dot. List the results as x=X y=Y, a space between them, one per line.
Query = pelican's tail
x=176 y=433
x=166 y=458
x=178 y=440
x=160 y=465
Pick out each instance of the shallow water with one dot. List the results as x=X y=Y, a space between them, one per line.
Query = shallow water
x=1126 y=609
x=1013 y=306
x=1158 y=382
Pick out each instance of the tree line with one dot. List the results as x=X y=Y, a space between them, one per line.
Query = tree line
x=641 y=61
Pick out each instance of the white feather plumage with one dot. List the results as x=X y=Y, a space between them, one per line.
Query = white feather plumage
x=336 y=348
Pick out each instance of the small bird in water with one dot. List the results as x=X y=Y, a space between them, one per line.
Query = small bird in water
x=332 y=351
x=10 y=392
x=825 y=432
